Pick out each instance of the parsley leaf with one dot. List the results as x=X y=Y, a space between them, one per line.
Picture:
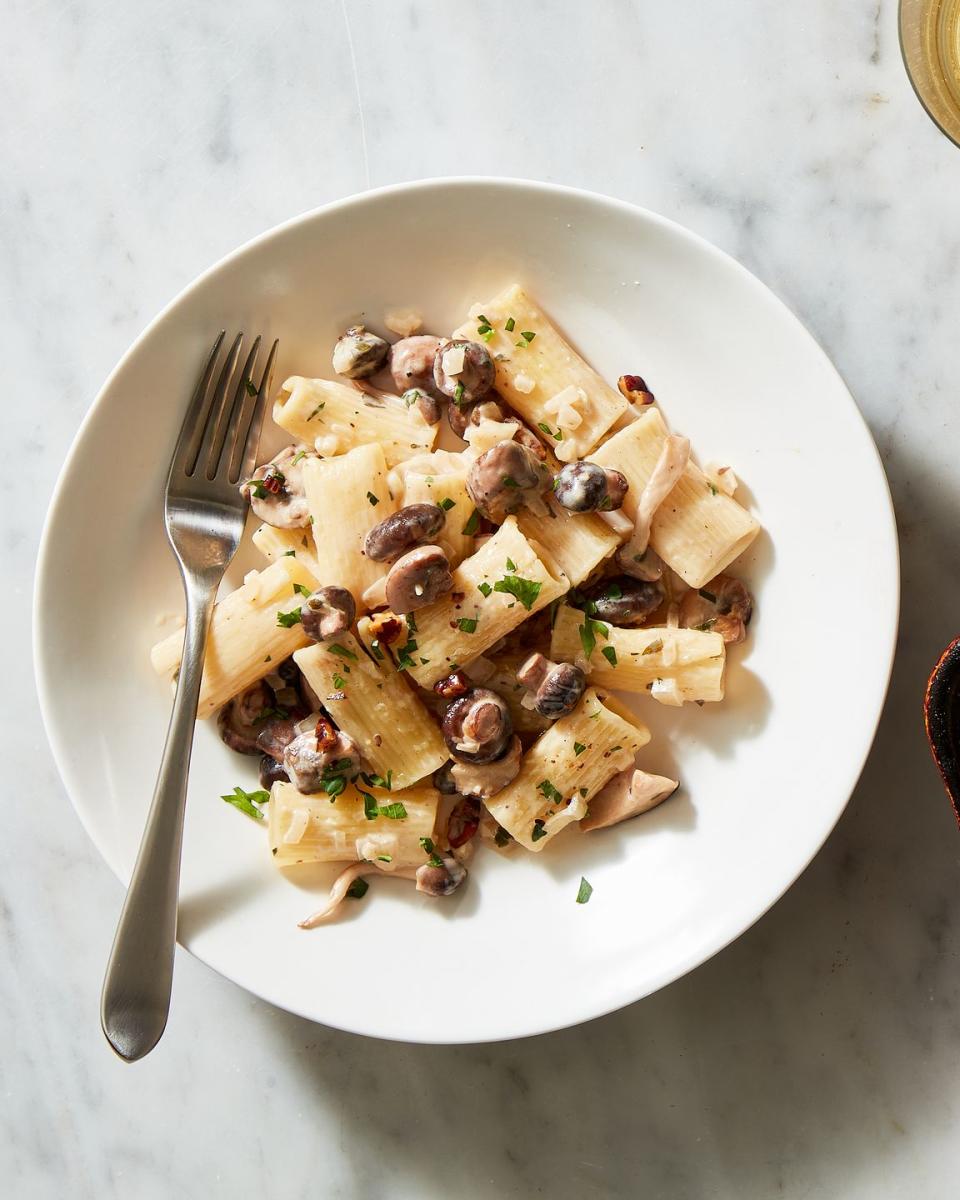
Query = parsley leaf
x=527 y=335
x=250 y=386
x=578 y=749
x=358 y=889
x=610 y=655
x=538 y=831
x=473 y=523
x=433 y=858
x=585 y=892
x=247 y=801
x=446 y=503
x=588 y=634
x=374 y=500
x=549 y=791
x=467 y=625
x=510 y=325
x=485 y=589
x=394 y=811
x=300 y=589
x=341 y=651
x=287 y=620
x=501 y=837
x=525 y=590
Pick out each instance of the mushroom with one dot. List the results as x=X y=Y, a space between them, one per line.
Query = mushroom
x=429 y=406
x=587 y=487
x=276 y=490
x=410 y=526
x=271 y=772
x=485 y=779
x=625 y=601
x=411 y=363
x=275 y=735
x=418 y=578
x=556 y=687
x=477 y=726
x=237 y=721
x=358 y=353
x=723 y=605
x=327 y=612
x=626 y=795
x=459 y=416
x=501 y=479
x=440 y=876
x=463 y=371
x=310 y=758
x=634 y=389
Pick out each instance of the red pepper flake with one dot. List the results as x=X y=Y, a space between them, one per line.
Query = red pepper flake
x=456 y=684
x=326 y=734
x=456 y=597
x=464 y=821
x=274 y=481
x=386 y=627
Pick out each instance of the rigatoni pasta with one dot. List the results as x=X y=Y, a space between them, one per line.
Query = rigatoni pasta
x=253 y=629
x=698 y=530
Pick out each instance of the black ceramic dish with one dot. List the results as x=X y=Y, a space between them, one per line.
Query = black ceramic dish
x=941 y=714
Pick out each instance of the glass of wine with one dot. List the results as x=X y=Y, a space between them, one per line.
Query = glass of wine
x=930 y=41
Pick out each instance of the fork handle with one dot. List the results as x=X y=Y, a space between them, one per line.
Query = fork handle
x=136 y=989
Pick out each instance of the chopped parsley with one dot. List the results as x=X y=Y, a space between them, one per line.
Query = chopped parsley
x=300 y=589
x=433 y=858
x=458 y=394
x=527 y=335
x=404 y=661
x=394 y=811
x=446 y=503
x=613 y=592
x=538 y=831
x=287 y=620
x=374 y=500
x=545 y=428
x=298 y=456
x=371 y=810
x=384 y=858
x=289 y=554
x=333 y=785
x=485 y=589
x=341 y=651
x=578 y=749
x=377 y=652
x=510 y=325
x=380 y=782
x=501 y=837
x=320 y=407
x=249 y=385
x=554 y=795
x=610 y=655
x=654 y=647
x=358 y=889
x=588 y=634
x=585 y=892
x=473 y=523
x=508 y=481
x=247 y=801
x=511 y=565
x=525 y=590
x=467 y=625
x=338 y=681
x=714 y=490
x=411 y=621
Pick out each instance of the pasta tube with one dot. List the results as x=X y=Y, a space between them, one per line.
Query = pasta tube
x=577 y=543
x=373 y=703
x=565 y=767
x=494 y=590
x=336 y=418
x=247 y=640
x=544 y=378
x=352 y=826
x=698 y=530
x=347 y=496
x=274 y=543
x=674 y=665
x=448 y=488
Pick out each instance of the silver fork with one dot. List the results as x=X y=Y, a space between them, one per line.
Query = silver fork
x=204 y=514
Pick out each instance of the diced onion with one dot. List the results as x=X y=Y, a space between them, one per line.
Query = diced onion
x=667 y=691
x=403 y=321
x=523 y=383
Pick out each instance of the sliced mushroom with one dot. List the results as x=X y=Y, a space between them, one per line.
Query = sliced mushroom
x=587 y=487
x=556 y=687
x=440 y=878
x=459 y=416
x=625 y=601
x=428 y=406
x=626 y=795
x=276 y=490
x=411 y=363
x=477 y=727
x=327 y=612
x=359 y=353
x=271 y=772
x=634 y=389
x=503 y=477
x=275 y=735
x=666 y=473
x=723 y=605
x=412 y=525
x=485 y=779
x=310 y=758
x=463 y=371
x=240 y=720
x=420 y=577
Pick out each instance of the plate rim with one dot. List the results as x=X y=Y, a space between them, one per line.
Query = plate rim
x=625 y=996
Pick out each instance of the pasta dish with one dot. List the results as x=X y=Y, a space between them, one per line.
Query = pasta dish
x=432 y=657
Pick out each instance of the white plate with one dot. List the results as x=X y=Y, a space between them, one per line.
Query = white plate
x=765 y=775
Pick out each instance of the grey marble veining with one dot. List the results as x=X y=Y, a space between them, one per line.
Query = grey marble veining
x=819 y=1056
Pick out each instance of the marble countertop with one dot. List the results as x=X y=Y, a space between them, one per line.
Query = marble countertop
x=818 y=1056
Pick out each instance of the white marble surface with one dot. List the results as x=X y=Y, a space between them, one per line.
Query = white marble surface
x=818 y=1057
